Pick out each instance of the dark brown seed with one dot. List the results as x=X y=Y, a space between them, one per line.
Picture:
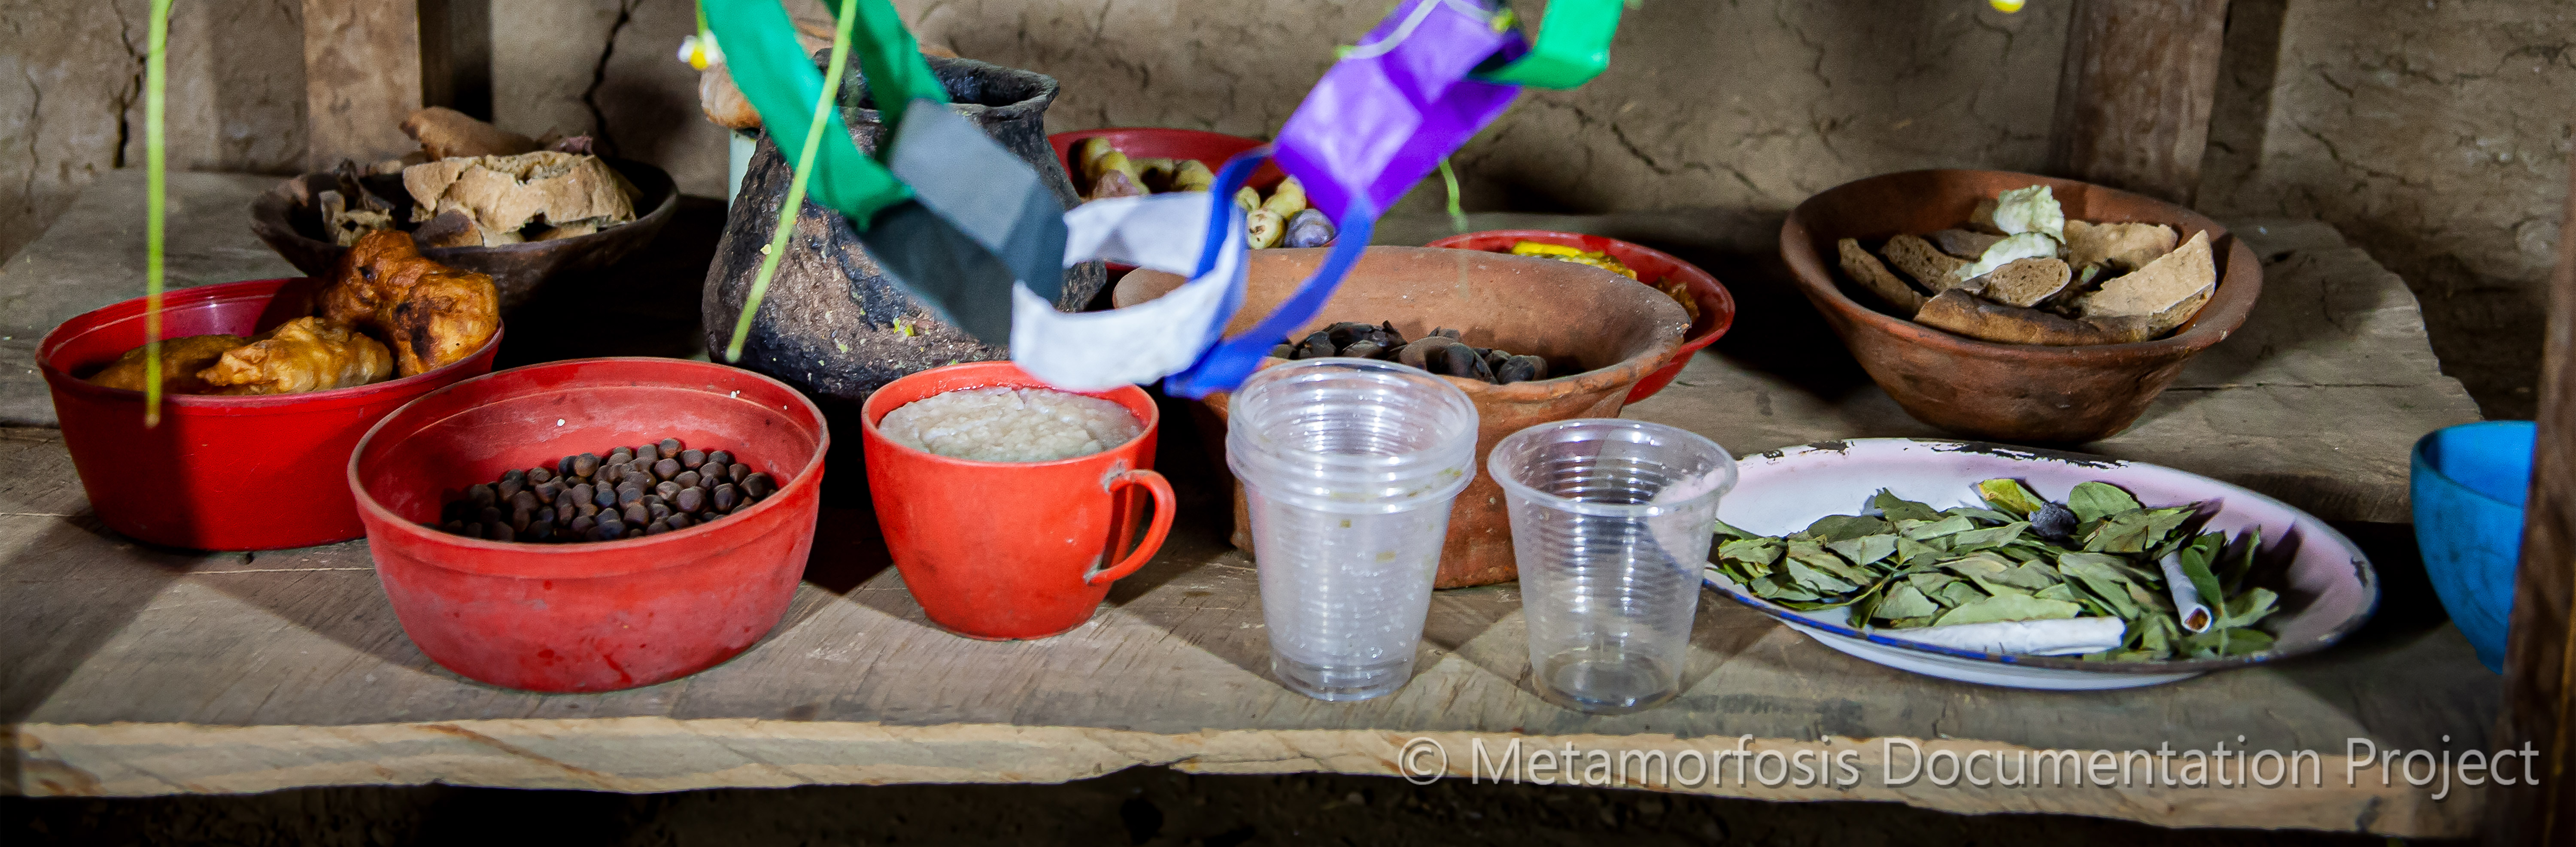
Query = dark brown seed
x=524 y=500
x=666 y=469
x=658 y=511
x=760 y=486
x=489 y=516
x=604 y=496
x=1318 y=344
x=1364 y=348
x=656 y=528
x=1454 y=335
x=652 y=500
x=1391 y=333
x=541 y=532
x=509 y=488
x=621 y=455
x=634 y=532
x=519 y=520
x=581 y=493
x=724 y=497
x=635 y=513
x=667 y=488
x=692 y=501
x=688 y=479
x=691 y=459
x=457 y=527
x=565 y=509
x=515 y=475
x=563 y=466
x=1460 y=360
x=540 y=476
x=648 y=453
x=629 y=494
x=681 y=521
x=611 y=526
x=670 y=446
x=737 y=472
x=585 y=464
x=482 y=495
x=472 y=530
x=499 y=532
x=587 y=509
x=582 y=525
x=721 y=458
x=549 y=490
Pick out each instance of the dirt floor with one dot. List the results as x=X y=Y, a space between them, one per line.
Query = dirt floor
x=1141 y=806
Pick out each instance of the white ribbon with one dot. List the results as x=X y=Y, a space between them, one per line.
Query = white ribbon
x=1096 y=351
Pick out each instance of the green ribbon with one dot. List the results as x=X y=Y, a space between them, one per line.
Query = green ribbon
x=1572 y=47
x=781 y=82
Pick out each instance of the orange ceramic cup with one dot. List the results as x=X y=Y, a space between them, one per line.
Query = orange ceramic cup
x=1002 y=550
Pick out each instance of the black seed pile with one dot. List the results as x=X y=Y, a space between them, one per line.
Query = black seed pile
x=630 y=493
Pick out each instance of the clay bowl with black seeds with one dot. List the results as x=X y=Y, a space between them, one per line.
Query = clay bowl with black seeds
x=2030 y=394
x=287 y=218
x=1600 y=333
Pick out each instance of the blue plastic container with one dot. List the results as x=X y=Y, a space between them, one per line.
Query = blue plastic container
x=2469 y=484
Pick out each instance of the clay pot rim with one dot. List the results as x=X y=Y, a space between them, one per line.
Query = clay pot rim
x=1047 y=88
x=2227 y=309
x=1008 y=375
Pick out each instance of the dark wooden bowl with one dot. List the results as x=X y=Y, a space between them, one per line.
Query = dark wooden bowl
x=285 y=218
x=2003 y=392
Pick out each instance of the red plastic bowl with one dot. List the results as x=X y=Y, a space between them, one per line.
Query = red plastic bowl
x=1210 y=148
x=599 y=616
x=219 y=473
x=1716 y=307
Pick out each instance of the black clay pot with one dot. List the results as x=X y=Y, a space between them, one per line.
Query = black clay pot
x=832 y=324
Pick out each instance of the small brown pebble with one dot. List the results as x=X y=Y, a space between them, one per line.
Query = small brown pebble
x=635 y=513
x=759 y=486
x=666 y=469
x=482 y=495
x=680 y=521
x=656 y=528
x=667 y=488
x=692 y=501
x=540 y=476
x=687 y=479
x=721 y=458
x=724 y=497
x=670 y=446
x=691 y=459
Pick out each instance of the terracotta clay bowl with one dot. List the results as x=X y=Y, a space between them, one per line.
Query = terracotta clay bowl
x=1617 y=330
x=286 y=218
x=2002 y=392
x=1716 y=306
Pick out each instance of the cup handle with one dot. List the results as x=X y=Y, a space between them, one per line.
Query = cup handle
x=1162 y=525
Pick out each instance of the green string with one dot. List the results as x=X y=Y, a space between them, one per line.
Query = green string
x=795 y=200
x=1457 y=213
x=155 y=170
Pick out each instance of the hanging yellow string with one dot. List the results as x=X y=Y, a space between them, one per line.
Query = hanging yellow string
x=155 y=168
x=795 y=200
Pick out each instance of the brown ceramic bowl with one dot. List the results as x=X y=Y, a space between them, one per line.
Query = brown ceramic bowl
x=285 y=217
x=1617 y=330
x=2002 y=392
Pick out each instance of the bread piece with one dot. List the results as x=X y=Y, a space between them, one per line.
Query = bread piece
x=1935 y=270
x=1966 y=314
x=1865 y=269
x=2125 y=245
x=305 y=354
x=505 y=194
x=1964 y=244
x=2169 y=280
x=2027 y=282
x=445 y=133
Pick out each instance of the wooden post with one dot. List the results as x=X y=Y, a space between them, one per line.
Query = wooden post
x=456 y=55
x=2134 y=92
x=361 y=78
x=2540 y=654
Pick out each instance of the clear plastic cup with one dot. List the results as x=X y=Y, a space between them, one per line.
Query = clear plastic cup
x=1348 y=467
x=1611 y=523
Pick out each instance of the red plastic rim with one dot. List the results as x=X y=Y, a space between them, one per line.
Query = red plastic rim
x=1002 y=374
x=808 y=476
x=1716 y=306
x=202 y=296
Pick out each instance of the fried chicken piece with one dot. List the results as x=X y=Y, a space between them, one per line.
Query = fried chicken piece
x=181 y=359
x=428 y=313
x=305 y=354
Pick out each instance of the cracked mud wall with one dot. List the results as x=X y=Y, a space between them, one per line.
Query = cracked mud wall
x=2433 y=133
x=71 y=82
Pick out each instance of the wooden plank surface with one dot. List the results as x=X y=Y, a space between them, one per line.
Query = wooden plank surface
x=2134 y=93
x=131 y=670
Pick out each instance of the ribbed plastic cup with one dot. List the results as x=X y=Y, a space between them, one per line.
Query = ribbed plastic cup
x=1348 y=467
x=1611 y=523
